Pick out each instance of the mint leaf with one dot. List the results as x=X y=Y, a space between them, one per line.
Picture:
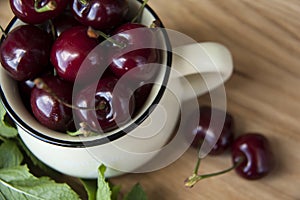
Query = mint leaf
x=103 y=192
x=115 y=190
x=136 y=193
x=15 y=173
x=10 y=155
x=6 y=129
x=19 y=183
x=90 y=187
x=2 y=197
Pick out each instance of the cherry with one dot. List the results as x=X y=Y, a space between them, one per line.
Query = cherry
x=25 y=52
x=48 y=105
x=37 y=11
x=25 y=87
x=100 y=14
x=252 y=159
x=61 y=23
x=207 y=130
x=255 y=150
x=69 y=51
x=108 y=106
x=134 y=38
x=141 y=94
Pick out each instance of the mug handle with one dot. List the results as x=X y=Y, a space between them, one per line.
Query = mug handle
x=205 y=65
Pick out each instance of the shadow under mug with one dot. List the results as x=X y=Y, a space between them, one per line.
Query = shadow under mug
x=189 y=71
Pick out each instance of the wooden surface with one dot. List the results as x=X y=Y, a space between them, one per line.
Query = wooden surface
x=263 y=94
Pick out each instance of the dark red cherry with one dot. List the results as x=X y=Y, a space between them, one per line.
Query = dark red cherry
x=37 y=11
x=141 y=94
x=25 y=52
x=70 y=50
x=100 y=14
x=61 y=23
x=25 y=87
x=208 y=128
x=137 y=52
x=110 y=106
x=258 y=160
x=47 y=109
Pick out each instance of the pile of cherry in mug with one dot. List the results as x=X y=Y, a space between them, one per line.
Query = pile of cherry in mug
x=46 y=57
x=46 y=54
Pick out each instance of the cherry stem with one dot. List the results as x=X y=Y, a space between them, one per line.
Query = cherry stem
x=84 y=2
x=3 y=32
x=40 y=84
x=197 y=166
x=84 y=130
x=53 y=29
x=51 y=5
x=96 y=33
x=195 y=178
x=102 y=105
x=155 y=24
x=139 y=13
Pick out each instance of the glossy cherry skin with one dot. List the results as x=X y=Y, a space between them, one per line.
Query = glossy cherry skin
x=48 y=110
x=61 y=23
x=25 y=52
x=25 y=10
x=141 y=95
x=25 y=87
x=100 y=14
x=116 y=106
x=205 y=127
x=258 y=161
x=70 y=50
x=135 y=54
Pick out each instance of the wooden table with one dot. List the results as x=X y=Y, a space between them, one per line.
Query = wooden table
x=263 y=94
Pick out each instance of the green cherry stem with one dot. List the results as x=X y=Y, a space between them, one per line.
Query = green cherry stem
x=84 y=130
x=83 y=2
x=197 y=166
x=51 y=5
x=195 y=178
x=139 y=13
x=53 y=30
x=3 y=32
x=40 y=84
x=155 y=24
x=92 y=33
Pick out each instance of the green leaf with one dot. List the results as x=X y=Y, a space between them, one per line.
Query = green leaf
x=2 y=197
x=10 y=155
x=115 y=190
x=18 y=183
x=136 y=193
x=6 y=129
x=90 y=187
x=15 y=173
x=103 y=192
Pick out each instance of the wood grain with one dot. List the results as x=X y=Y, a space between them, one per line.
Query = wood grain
x=263 y=94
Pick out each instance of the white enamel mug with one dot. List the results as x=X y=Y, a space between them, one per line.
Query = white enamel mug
x=134 y=146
